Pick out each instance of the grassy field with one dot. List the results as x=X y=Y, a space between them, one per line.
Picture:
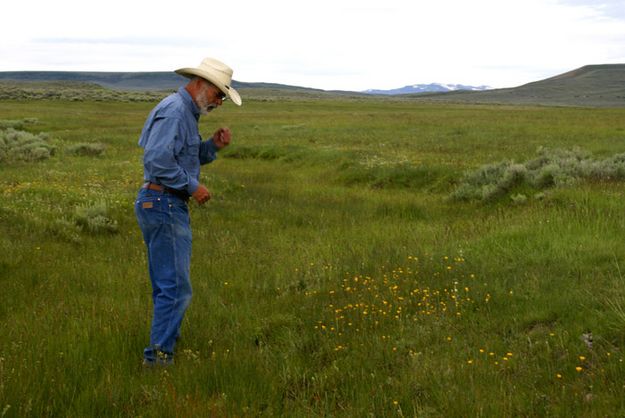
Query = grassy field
x=333 y=274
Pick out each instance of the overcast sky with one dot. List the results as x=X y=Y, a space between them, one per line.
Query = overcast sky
x=327 y=44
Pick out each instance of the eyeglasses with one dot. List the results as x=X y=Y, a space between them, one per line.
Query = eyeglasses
x=219 y=94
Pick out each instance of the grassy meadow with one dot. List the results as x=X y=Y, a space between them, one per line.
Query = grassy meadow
x=333 y=273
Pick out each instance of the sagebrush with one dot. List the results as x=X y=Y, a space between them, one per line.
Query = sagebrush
x=16 y=145
x=552 y=168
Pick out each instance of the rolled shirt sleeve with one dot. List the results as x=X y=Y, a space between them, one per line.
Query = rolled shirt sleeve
x=208 y=152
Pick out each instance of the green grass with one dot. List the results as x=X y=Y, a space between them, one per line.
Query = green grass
x=333 y=274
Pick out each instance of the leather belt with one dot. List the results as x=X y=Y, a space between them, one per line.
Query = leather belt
x=160 y=188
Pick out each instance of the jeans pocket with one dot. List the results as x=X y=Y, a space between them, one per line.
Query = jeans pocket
x=152 y=210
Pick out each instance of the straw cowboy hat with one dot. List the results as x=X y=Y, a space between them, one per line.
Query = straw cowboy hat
x=217 y=73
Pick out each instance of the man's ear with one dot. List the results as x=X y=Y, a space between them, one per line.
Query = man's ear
x=193 y=86
x=194 y=83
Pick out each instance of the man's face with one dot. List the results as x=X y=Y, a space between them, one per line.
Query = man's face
x=209 y=97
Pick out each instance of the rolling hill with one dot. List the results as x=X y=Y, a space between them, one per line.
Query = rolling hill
x=591 y=85
x=132 y=81
x=147 y=81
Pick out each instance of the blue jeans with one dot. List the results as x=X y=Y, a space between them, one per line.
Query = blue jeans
x=165 y=224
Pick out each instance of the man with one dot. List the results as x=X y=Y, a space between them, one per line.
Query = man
x=173 y=153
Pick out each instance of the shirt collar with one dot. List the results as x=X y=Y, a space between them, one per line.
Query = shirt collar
x=188 y=101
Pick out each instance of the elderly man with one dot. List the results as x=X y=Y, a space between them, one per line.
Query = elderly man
x=173 y=153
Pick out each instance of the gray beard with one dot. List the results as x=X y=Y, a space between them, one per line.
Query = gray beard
x=202 y=101
x=205 y=108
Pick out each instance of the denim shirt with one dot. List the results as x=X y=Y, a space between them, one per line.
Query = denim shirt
x=173 y=147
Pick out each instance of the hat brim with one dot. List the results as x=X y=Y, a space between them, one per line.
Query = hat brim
x=230 y=92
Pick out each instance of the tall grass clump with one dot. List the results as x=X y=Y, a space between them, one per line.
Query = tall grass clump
x=18 y=145
x=552 y=168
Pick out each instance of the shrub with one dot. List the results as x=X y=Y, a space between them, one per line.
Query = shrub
x=94 y=218
x=91 y=149
x=23 y=146
x=490 y=181
x=18 y=123
x=552 y=168
x=612 y=168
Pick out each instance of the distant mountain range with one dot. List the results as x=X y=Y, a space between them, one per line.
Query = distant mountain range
x=590 y=86
x=427 y=88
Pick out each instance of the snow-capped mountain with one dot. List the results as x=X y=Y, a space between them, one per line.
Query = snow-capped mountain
x=427 y=88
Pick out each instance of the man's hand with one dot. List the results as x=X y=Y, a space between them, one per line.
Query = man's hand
x=201 y=195
x=222 y=137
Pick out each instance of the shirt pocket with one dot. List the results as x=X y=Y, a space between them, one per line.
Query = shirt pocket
x=189 y=157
